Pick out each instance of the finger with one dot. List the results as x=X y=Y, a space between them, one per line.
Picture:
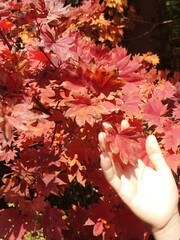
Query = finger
x=139 y=170
x=154 y=153
x=115 y=163
x=124 y=125
x=101 y=138
x=107 y=127
x=109 y=173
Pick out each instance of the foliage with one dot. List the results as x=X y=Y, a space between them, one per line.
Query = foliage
x=56 y=88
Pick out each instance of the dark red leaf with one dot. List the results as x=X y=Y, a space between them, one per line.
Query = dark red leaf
x=53 y=223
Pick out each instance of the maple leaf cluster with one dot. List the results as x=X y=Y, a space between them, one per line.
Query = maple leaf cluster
x=56 y=88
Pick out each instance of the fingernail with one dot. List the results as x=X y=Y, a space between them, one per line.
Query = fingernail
x=101 y=138
x=107 y=126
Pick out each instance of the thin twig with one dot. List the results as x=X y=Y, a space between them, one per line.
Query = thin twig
x=150 y=22
x=142 y=35
x=5 y=40
x=55 y=128
x=45 y=54
x=53 y=135
x=151 y=29
x=41 y=107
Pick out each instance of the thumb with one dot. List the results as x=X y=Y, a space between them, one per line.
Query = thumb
x=154 y=153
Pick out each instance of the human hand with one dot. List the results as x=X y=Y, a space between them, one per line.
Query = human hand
x=150 y=193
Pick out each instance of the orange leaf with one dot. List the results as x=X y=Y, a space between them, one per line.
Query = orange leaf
x=151 y=58
x=105 y=81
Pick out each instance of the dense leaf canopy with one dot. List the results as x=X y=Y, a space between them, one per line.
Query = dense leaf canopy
x=63 y=72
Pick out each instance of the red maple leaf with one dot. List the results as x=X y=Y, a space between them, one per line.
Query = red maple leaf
x=83 y=108
x=13 y=224
x=177 y=86
x=53 y=223
x=173 y=161
x=98 y=227
x=164 y=90
x=76 y=87
x=59 y=45
x=106 y=82
x=176 y=111
x=50 y=182
x=47 y=94
x=5 y=24
x=124 y=144
x=171 y=138
x=123 y=220
x=127 y=68
x=20 y=116
x=100 y=219
x=37 y=58
x=154 y=111
x=8 y=155
x=38 y=55
x=5 y=9
x=131 y=100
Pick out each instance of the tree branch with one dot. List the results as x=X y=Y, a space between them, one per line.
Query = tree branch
x=5 y=40
x=152 y=28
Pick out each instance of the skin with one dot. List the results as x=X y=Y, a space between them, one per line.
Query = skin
x=150 y=193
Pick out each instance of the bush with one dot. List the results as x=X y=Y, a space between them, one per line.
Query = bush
x=63 y=73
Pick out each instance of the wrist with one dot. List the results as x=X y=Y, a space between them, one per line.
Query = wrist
x=169 y=232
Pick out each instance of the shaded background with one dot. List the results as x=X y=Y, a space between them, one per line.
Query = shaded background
x=157 y=30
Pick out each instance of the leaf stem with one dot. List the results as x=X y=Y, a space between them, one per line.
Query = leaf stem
x=41 y=107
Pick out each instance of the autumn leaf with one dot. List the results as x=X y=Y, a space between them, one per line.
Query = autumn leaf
x=123 y=220
x=61 y=46
x=74 y=87
x=89 y=222
x=151 y=58
x=22 y=116
x=171 y=139
x=82 y=109
x=47 y=95
x=124 y=144
x=53 y=223
x=177 y=87
x=99 y=21
x=172 y=161
x=164 y=90
x=176 y=112
x=9 y=155
x=119 y=4
x=5 y=24
x=38 y=55
x=131 y=99
x=106 y=82
x=98 y=227
x=154 y=111
x=126 y=67
x=13 y=224
x=63 y=72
